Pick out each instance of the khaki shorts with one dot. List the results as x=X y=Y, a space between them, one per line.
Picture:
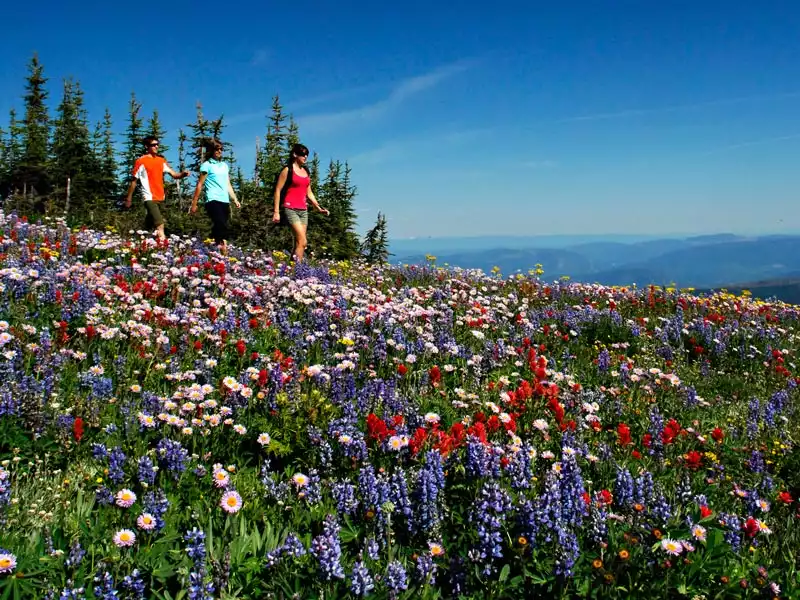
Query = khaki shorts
x=154 y=212
x=295 y=216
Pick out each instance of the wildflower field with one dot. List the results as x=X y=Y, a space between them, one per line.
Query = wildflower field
x=179 y=424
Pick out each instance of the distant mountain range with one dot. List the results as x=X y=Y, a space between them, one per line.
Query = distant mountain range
x=767 y=265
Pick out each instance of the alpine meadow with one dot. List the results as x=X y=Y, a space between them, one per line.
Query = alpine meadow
x=179 y=423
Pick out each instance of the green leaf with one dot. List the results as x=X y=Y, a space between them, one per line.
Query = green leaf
x=504 y=573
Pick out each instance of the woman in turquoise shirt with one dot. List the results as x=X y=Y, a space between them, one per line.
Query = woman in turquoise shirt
x=215 y=183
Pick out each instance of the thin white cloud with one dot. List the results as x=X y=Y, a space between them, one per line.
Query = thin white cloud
x=260 y=56
x=399 y=94
x=290 y=106
x=403 y=147
x=539 y=164
x=635 y=112
x=760 y=142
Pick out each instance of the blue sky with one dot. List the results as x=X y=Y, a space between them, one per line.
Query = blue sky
x=518 y=118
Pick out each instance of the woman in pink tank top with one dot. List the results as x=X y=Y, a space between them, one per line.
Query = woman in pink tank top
x=291 y=193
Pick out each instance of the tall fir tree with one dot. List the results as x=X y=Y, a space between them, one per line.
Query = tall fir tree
x=71 y=151
x=335 y=234
x=32 y=171
x=12 y=155
x=292 y=134
x=257 y=209
x=274 y=156
x=132 y=147
x=156 y=129
x=375 y=247
x=200 y=131
x=107 y=182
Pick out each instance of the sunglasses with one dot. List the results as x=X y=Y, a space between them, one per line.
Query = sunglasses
x=154 y=144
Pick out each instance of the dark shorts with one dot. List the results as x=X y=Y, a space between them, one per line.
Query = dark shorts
x=220 y=215
x=154 y=216
x=294 y=216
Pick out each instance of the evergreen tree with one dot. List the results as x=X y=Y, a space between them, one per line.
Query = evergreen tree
x=181 y=189
x=375 y=247
x=155 y=129
x=292 y=135
x=200 y=132
x=274 y=155
x=72 y=156
x=12 y=155
x=335 y=234
x=134 y=136
x=32 y=169
x=257 y=208
x=107 y=184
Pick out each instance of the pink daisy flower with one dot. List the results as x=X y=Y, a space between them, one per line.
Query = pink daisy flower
x=8 y=562
x=124 y=537
x=125 y=498
x=231 y=502
x=146 y=521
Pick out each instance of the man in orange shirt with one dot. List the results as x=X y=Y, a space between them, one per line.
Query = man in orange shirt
x=149 y=171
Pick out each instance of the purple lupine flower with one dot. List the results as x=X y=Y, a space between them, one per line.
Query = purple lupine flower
x=172 y=456
x=756 y=463
x=489 y=514
x=104 y=496
x=344 y=493
x=430 y=483
x=604 y=361
x=104 y=586
x=196 y=550
x=134 y=585
x=396 y=578
x=691 y=397
x=476 y=463
x=327 y=550
x=399 y=496
x=116 y=465
x=293 y=546
x=372 y=548
x=520 y=469
x=75 y=556
x=567 y=552
x=572 y=490
x=361 y=581
x=644 y=488
x=733 y=530
x=425 y=572
x=147 y=472
x=157 y=504
x=311 y=492
x=660 y=510
x=598 y=530
x=753 y=418
x=656 y=429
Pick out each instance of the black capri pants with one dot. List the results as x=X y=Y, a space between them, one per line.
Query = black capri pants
x=220 y=215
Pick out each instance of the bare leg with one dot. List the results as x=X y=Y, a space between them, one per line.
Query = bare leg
x=300 y=241
x=160 y=232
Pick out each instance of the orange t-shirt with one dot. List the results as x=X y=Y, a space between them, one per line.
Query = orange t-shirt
x=149 y=171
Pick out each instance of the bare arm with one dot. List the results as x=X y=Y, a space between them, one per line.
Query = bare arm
x=281 y=182
x=131 y=188
x=168 y=169
x=232 y=194
x=197 y=190
x=310 y=195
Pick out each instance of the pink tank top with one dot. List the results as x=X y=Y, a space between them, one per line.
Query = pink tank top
x=296 y=194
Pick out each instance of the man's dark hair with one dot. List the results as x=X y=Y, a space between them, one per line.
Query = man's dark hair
x=149 y=140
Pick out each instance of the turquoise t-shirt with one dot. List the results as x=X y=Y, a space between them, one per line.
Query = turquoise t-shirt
x=216 y=183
